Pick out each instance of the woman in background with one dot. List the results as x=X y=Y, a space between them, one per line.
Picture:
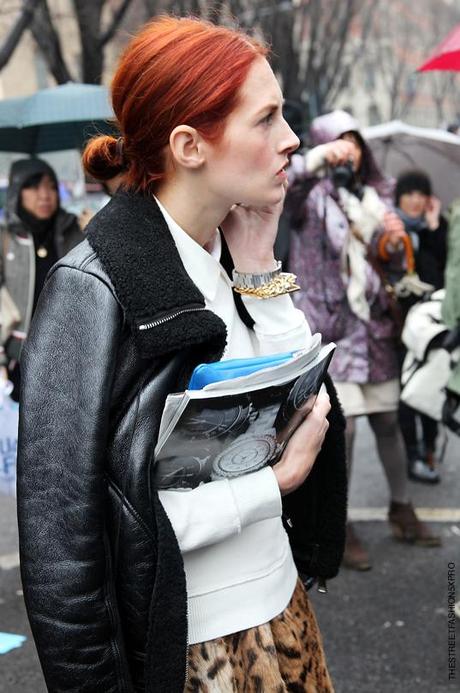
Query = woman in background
x=36 y=234
x=348 y=219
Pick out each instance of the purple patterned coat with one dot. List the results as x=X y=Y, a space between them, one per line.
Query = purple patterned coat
x=366 y=352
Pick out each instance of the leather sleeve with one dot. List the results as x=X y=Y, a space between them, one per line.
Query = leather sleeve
x=68 y=368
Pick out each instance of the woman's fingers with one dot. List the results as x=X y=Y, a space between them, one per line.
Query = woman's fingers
x=338 y=152
x=323 y=404
x=301 y=451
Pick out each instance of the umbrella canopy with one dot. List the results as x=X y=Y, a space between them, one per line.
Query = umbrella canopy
x=62 y=117
x=398 y=147
x=446 y=56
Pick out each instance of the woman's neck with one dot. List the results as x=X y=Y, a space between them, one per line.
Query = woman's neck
x=195 y=212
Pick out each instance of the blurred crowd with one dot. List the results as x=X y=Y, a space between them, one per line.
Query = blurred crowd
x=370 y=253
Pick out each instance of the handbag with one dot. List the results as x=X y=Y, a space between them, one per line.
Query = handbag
x=424 y=382
x=10 y=316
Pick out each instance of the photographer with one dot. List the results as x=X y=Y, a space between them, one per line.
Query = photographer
x=345 y=220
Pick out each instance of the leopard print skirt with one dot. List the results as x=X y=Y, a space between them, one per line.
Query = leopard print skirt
x=285 y=654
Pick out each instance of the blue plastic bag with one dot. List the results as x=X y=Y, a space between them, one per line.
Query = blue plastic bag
x=9 y=416
x=206 y=373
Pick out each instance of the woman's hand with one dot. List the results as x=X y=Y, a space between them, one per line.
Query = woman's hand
x=339 y=152
x=393 y=229
x=250 y=234
x=303 y=447
x=433 y=212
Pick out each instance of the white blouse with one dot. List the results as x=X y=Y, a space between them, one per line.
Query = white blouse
x=238 y=564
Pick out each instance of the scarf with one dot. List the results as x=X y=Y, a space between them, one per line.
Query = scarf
x=364 y=217
x=413 y=226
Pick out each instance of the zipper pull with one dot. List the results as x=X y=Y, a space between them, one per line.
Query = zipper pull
x=322 y=586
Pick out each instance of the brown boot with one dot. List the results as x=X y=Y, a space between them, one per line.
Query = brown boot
x=406 y=526
x=355 y=555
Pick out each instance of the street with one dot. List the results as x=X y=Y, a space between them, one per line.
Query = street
x=384 y=631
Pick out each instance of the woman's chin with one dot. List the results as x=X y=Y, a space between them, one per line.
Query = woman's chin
x=270 y=199
x=278 y=196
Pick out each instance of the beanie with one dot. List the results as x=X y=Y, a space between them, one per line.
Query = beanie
x=412 y=181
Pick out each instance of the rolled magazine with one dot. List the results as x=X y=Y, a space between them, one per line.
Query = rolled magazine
x=239 y=424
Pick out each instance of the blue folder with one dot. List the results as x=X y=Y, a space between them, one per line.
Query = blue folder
x=206 y=373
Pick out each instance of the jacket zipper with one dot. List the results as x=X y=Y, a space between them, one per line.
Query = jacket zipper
x=161 y=320
x=170 y=316
x=186 y=652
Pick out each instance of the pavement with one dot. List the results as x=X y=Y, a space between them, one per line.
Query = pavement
x=385 y=631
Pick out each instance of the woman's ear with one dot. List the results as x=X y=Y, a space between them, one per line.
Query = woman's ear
x=186 y=147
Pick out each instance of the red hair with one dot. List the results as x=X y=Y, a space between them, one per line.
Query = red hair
x=175 y=71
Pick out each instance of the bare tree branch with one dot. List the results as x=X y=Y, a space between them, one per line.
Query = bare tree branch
x=155 y=7
x=215 y=10
x=23 y=21
x=89 y=15
x=366 y=12
x=117 y=18
x=47 y=39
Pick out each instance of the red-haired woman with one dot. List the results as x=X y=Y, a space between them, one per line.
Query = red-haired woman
x=120 y=577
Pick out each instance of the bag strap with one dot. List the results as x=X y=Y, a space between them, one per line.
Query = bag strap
x=4 y=250
x=324 y=244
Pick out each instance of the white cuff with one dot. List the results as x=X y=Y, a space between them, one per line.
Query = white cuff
x=257 y=496
x=278 y=324
x=217 y=510
x=315 y=160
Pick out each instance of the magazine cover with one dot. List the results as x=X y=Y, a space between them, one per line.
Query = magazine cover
x=226 y=435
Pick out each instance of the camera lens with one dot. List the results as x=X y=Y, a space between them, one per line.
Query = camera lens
x=342 y=175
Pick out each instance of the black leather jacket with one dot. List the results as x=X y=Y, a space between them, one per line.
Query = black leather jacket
x=119 y=324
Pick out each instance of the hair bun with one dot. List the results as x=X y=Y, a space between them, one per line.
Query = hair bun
x=103 y=157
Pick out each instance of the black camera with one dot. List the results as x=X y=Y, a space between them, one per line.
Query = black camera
x=343 y=175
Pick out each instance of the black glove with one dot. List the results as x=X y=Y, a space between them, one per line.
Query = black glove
x=452 y=339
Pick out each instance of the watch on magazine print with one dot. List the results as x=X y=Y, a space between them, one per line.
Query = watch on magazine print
x=227 y=436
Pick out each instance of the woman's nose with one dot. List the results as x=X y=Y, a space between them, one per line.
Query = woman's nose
x=290 y=141
x=44 y=193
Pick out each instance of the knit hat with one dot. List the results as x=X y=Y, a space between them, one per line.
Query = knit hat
x=412 y=181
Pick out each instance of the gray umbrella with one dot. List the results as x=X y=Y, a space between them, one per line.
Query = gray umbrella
x=63 y=117
x=398 y=147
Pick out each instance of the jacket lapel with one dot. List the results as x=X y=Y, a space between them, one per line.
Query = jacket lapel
x=164 y=309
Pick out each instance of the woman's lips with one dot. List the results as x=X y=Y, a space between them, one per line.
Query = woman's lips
x=282 y=171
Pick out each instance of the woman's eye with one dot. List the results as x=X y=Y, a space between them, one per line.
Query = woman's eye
x=268 y=119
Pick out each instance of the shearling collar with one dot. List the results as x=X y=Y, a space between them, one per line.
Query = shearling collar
x=164 y=309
